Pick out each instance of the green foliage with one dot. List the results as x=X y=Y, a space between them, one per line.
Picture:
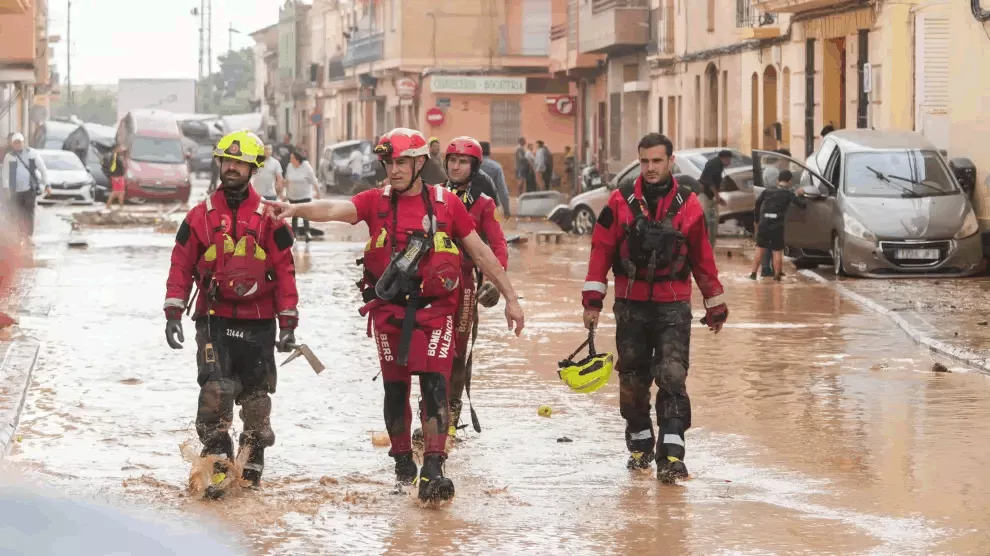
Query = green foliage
x=91 y=105
x=229 y=91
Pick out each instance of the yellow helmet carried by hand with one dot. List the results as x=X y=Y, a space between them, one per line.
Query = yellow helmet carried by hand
x=241 y=145
x=588 y=374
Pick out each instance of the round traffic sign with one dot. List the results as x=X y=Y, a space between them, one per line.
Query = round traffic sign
x=316 y=118
x=434 y=117
x=565 y=105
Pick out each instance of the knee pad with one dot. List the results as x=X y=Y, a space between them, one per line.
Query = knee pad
x=672 y=376
x=434 y=390
x=216 y=405
x=255 y=413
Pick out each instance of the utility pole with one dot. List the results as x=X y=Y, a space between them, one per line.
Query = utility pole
x=202 y=20
x=209 y=36
x=68 y=54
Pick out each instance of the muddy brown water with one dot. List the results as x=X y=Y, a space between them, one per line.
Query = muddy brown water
x=819 y=428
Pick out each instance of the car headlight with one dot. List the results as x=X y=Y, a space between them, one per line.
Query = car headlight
x=856 y=228
x=969 y=227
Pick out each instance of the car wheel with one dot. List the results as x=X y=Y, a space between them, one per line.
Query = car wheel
x=584 y=221
x=838 y=262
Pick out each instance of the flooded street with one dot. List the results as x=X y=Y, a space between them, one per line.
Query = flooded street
x=819 y=428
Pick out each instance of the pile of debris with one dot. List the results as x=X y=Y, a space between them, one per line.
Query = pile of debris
x=161 y=220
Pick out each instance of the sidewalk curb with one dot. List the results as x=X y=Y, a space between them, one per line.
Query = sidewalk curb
x=18 y=363
x=972 y=358
x=15 y=376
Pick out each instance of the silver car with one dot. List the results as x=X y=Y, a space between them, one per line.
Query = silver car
x=880 y=204
x=580 y=214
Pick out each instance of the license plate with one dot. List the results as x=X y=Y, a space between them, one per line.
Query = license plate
x=596 y=181
x=917 y=254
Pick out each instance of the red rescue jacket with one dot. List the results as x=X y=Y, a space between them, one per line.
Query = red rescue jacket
x=259 y=279
x=482 y=211
x=440 y=269
x=609 y=247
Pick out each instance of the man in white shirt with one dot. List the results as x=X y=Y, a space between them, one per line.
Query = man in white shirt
x=21 y=180
x=268 y=180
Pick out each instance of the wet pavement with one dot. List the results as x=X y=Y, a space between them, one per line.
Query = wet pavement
x=819 y=427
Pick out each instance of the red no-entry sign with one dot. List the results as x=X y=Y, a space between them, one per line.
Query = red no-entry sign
x=434 y=117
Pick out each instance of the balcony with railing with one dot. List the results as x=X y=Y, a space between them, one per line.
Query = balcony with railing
x=663 y=23
x=365 y=49
x=794 y=6
x=564 y=57
x=754 y=24
x=614 y=26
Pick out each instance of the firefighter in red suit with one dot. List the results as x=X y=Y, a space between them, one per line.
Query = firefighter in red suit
x=240 y=258
x=652 y=235
x=411 y=287
x=462 y=162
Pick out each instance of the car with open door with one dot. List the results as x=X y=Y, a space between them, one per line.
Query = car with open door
x=879 y=204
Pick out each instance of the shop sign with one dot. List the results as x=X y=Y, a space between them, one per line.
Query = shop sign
x=478 y=85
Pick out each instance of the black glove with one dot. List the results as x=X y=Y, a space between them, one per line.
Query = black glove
x=173 y=330
x=488 y=295
x=286 y=338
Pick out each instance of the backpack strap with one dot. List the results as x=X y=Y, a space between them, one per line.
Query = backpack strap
x=683 y=191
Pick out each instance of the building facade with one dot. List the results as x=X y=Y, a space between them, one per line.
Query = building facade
x=265 y=52
x=26 y=82
x=471 y=68
x=294 y=78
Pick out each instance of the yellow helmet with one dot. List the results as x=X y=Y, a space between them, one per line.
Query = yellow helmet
x=588 y=374
x=241 y=145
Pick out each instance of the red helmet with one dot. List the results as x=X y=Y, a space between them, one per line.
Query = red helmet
x=465 y=145
x=401 y=142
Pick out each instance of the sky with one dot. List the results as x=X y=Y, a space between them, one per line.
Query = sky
x=114 y=39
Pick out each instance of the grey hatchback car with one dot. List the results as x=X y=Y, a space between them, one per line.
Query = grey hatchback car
x=880 y=204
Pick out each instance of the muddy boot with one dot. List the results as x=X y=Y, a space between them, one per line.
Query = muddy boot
x=640 y=460
x=254 y=467
x=405 y=469
x=671 y=469
x=752 y=276
x=219 y=481
x=433 y=486
x=455 y=417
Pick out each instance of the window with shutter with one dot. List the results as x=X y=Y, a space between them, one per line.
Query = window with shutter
x=932 y=79
x=506 y=122
x=615 y=126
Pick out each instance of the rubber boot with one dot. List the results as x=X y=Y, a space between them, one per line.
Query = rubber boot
x=433 y=486
x=218 y=481
x=221 y=477
x=640 y=460
x=670 y=470
x=254 y=467
x=405 y=469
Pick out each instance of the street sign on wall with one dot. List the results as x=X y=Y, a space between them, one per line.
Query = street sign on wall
x=478 y=85
x=435 y=117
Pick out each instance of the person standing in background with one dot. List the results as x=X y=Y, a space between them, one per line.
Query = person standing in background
x=116 y=169
x=494 y=170
x=569 y=163
x=531 y=183
x=283 y=151
x=770 y=177
x=301 y=187
x=21 y=178
x=522 y=167
x=546 y=176
x=711 y=180
x=268 y=181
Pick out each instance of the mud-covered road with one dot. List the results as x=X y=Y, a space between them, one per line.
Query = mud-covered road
x=818 y=428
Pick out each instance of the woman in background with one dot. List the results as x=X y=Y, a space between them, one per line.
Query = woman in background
x=301 y=186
